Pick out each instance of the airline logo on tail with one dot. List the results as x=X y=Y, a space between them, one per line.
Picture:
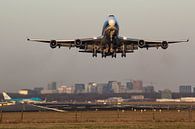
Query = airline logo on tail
x=6 y=96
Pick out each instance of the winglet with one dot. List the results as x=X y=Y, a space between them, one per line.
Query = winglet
x=188 y=39
x=28 y=39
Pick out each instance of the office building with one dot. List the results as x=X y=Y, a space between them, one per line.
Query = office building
x=92 y=87
x=79 y=88
x=38 y=90
x=166 y=94
x=115 y=86
x=129 y=85
x=137 y=85
x=100 y=87
x=149 y=89
x=185 y=89
x=66 y=89
x=52 y=86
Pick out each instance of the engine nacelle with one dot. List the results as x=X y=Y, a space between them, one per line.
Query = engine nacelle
x=141 y=44
x=164 y=45
x=78 y=43
x=53 y=44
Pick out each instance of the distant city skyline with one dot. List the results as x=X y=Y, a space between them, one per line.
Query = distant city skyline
x=27 y=65
x=131 y=86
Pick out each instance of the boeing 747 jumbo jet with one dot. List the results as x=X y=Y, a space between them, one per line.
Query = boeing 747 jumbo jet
x=109 y=43
x=7 y=98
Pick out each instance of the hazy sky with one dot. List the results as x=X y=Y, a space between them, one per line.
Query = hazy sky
x=26 y=64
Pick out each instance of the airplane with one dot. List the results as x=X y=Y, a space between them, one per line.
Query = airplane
x=2 y=103
x=109 y=43
x=30 y=101
x=7 y=98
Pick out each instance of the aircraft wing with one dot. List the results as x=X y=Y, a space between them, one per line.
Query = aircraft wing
x=148 y=43
x=68 y=43
x=48 y=108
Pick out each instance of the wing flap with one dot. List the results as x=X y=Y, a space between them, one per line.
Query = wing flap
x=69 y=43
x=148 y=43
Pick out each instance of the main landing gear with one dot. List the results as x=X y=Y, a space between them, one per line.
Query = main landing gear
x=114 y=55
x=123 y=54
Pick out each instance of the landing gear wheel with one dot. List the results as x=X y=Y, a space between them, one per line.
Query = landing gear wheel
x=103 y=54
x=123 y=55
x=94 y=55
x=114 y=55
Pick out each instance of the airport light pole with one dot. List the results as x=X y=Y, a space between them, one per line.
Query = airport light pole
x=22 y=113
x=190 y=113
x=118 y=115
x=153 y=114
x=76 y=116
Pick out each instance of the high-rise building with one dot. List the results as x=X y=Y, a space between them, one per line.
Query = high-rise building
x=52 y=86
x=185 y=89
x=149 y=89
x=100 y=87
x=66 y=89
x=107 y=89
x=166 y=94
x=92 y=87
x=79 y=88
x=115 y=86
x=122 y=88
x=129 y=85
x=137 y=85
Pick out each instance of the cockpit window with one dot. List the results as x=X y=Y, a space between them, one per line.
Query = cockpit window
x=111 y=16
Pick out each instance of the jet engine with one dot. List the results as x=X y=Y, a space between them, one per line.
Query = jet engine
x=53 y=44
x=141 y=43
x=78 y=43
x=164 y=45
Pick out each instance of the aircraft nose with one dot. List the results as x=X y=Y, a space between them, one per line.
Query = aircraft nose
x=111 y=22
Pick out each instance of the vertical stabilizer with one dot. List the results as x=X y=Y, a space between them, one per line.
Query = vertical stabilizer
x=6 y=96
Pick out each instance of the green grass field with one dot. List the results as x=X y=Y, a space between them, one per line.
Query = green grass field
x=100 y=120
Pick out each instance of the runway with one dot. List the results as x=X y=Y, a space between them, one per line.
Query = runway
x=92 y=107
